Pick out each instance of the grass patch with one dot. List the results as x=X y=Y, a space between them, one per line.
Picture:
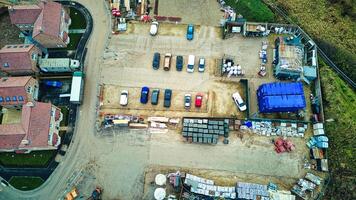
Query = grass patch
x=26 y=182
x=65 y=112
x=340 y=105
x=78 y=19
x=252 y=10
x=74 y=41
x=33 y=159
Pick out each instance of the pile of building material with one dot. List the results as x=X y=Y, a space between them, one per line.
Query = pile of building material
x=157 y=124
x=318 y=142
x=263 y=57
x=206 y=187
x=318 y=129
x=306 y=185
x=230 y=69
x=205 y=130
x=268 y=128
x=123 y=121
x=251 y=191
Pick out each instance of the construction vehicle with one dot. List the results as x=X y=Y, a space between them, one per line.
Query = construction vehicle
x=72 y=194
x=96 y=194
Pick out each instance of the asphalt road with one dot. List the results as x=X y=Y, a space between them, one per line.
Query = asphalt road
x=57 y=184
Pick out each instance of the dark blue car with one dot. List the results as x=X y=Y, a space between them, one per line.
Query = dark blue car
x=144 y=95
x=156 y=60
x=190 y=32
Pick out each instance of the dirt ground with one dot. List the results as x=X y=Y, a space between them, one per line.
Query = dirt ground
x=204 y=12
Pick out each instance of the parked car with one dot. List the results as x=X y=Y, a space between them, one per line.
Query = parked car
x=144 y=95
x=201 y=67
x=187 y=100
x=238 y=101
x=155 y=97
x=190 y=66
x=154 y=28
x=198 y=100
x=124 y=97
x=190 y=32
x=179 y=63
x=167 y=98
x=55 y=84
x=167 y=61
x=156 y=60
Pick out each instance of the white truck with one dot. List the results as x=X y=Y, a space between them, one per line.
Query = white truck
x=55 y=65
x=76 y=92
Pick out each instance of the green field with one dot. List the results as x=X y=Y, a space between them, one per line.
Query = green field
x=26 y=182
x=252 y=10
x=33 y=159
x=340 y=109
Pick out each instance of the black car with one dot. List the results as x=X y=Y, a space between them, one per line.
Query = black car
x=156 y=60
x=179 y=63
x=167 y=98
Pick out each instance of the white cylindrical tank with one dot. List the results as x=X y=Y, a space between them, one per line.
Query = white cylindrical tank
x=160 y=193
x=160 y=179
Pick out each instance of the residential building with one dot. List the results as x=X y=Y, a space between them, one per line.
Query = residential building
x=50 y=28
x=19 y=59
x=38 y=129
x=17 y=91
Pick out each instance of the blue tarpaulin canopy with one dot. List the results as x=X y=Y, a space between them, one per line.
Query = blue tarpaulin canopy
x=281 y=97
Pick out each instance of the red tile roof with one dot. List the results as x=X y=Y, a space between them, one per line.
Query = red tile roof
x=14 y=86
x=18 y=58
x=49 y=20
x=24 y=14
x=11 y=135
x=38 y=128
x=34 y=127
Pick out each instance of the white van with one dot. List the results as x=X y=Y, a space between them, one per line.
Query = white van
x=190 y=66
x=238 y=101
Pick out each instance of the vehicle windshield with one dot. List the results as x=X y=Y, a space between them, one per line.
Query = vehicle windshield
x=190 y=29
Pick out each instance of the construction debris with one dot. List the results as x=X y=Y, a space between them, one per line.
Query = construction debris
x=269 y=128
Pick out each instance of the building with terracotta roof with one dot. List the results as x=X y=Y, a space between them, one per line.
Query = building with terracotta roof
x=19 y=59
x=38 y=129
x=51 y=24
x=17 y=91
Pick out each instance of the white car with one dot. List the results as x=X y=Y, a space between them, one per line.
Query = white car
x=154 y=28
x=124 y=97
x=187 y=100
x=201 y=67
x=238 y=101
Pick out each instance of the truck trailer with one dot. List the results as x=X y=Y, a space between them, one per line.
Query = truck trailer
x=77 y=88
x=57 y=65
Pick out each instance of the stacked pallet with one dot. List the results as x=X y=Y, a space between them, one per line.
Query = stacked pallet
x=251 y=191
x=205 y=130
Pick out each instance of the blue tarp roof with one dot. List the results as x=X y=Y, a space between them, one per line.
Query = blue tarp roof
x=279 y=88
x=283 y=103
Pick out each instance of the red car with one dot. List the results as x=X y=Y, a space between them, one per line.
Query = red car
x=198 y=100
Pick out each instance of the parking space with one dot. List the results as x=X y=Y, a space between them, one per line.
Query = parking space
x=112 y=98
x=128 y=65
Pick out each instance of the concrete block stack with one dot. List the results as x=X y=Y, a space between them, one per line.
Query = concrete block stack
x=251 y=191
x=205 y=130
